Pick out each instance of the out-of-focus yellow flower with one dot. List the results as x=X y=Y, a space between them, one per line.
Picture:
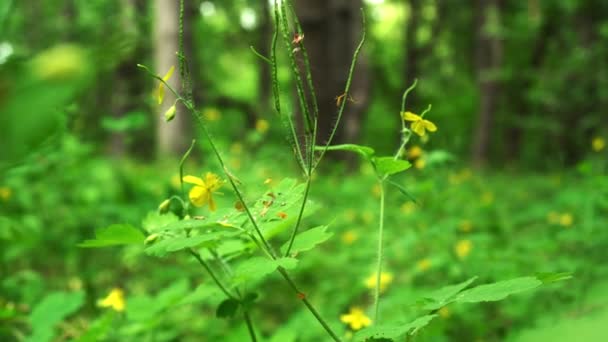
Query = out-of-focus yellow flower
x=414 y=152
x=211 y=114
x=424 y=264
x=349 y=236
x=170 y=113
x=5 y=193
x=160 y=94
x=60 y=62
x=268 y=181
x=420 y=163
x=114 y=300
x=376 y=189
x=598 y=144
x=75 y=284
x=465 y=226
x=408 y=207
x=386 y=279
x=202 y=193
x=566 y=219
x=236 y=148
x=463 y=248
x=356 y=319
x=163 y=207
x=444 y=312
x=261 y=126
x=419 y=125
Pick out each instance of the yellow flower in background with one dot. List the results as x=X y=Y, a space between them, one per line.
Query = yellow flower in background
x=598 y=144
x=414 y=152
x=465 y=226
x=444 y=312
x=566 y=219
x=211 y=114
x=161 y=87
x=408 y=207
x=236 y=148
x=5 y=193
x=60 y=62
x=424 y=264
x=261 y=126
x=419 y=125
x=463 y=248
x=356 y=318
x=349 y=236
x=420 y=163
x=114 y=300
x=386 y=279
x=202 y=193
x=376 y=189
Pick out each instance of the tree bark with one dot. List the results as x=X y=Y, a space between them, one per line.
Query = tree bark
x=488 y=58
x=170 y=137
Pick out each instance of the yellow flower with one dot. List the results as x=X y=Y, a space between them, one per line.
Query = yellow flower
x=261 y=126
x=414 y=152
x=419 y=125
x=211 y=114
x=5 y=193
x=202 y=193
x=463 y=248
x=598 y=144
x=385 y=280
x=444 y=312
x=349 y=237
x=420 y=163
x=170 y=113
x=114 y=300
x=408 y=207
x=376 y=190
x=424 y=264
x=356 y=318
x=161 y=86
x=566 y=219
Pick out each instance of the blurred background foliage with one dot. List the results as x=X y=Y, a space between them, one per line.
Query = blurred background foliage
x=514 y=181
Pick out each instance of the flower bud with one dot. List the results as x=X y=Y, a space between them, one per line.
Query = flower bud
x=164 y=206
x=150 y=239
x=170 y=113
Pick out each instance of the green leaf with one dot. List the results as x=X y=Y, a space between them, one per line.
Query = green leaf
x=308 y=239
x=227 y=308
x=51 y=310
x=445 y=295
x=498 y=291
x=395 y=330
x=390 y=165
x=115 y=235
x=257 y=268
x=553 y=277
x=178 y=243
x=155 y=222
x=365 y=151
x=403 y=191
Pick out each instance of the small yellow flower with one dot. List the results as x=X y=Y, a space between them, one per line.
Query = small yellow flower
x=161 y=85
x=114 y=300
x=408 y=207
x=566 y=219
x=349 y=237
x=419 y=125
x=356 y=318
x=376 y=190
x=5 y=193
x=170 y=113
x=420 y=163
x=598 y=144
x=163 y=207
x=444 y=312
x=424 y=264
x=261 y=126
x=463 y=248
x=211 y=114
x=414 y=152
x=202 y=193
x=465 y=226
x=385 y=280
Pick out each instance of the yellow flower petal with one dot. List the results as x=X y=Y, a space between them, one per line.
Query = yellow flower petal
x=429 y=126
x=193 y=180
x=212 y=205
x=409 y=116
x=161 y=86
x=199 y=196
x=418 y=128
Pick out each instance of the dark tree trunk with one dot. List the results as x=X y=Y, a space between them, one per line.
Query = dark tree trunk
x=412 y=51
x=488 y=58
x=332 y=30
x=264 y=79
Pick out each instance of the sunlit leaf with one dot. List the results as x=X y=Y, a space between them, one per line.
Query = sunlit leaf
x=394 y=330
x=390 y=165
x=498 y=291
x=308 y=239
x=115 y=235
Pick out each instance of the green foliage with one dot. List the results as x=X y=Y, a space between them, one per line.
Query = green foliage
x=115 y=235
x=53 y=308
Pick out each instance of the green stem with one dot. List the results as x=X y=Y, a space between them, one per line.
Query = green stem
x=311 y=308
x=379 y=251
x=249 y=325
x=300 y=214
x=210 y=271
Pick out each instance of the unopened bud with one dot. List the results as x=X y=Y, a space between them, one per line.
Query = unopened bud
x=164 y=206
x=150 y=239
x=170 y=113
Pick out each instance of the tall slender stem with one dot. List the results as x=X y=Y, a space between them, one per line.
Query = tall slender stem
x=379 y=251
x=210 y=271
x=249 y=325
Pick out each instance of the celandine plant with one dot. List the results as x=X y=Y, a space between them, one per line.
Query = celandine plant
x=238 y=247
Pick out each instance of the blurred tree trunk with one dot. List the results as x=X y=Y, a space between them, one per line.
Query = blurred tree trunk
x=488 y=59
x=412 y=54
x=332 y=30
x=170 y=137
x=264 y=81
